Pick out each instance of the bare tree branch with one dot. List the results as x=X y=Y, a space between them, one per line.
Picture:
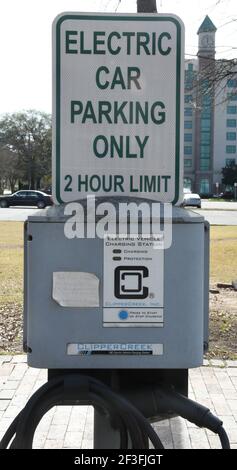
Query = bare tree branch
x=212 y=80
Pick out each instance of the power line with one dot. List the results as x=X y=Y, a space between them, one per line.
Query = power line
x=119 y=1
x=227 y=22
x=106 y=5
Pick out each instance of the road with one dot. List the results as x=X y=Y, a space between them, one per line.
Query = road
x=217 y=213
x=17 y=213
x=218 y=205
x=219 y=217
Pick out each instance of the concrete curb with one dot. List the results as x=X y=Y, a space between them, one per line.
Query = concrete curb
x=22 y=358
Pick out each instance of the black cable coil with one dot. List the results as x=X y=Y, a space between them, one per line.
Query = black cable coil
x=134 y=429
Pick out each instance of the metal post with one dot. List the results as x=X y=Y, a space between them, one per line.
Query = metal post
x=146 y=6
x=105 y=437
x=235 y=191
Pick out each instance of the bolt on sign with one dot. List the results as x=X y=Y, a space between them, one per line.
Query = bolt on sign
x=118 y=106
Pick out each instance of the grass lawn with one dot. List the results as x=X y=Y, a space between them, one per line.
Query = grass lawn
x=217 y=199
x=223 y=254
x=223 y=258
x=11 y=262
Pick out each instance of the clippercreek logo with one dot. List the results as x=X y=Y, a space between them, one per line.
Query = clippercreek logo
x=128 y=283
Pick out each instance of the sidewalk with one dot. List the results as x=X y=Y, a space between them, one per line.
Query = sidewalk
x=214 y=385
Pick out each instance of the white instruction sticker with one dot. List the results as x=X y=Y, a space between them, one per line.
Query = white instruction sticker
x=76 y=289
x=133 y=281
x=116 y=317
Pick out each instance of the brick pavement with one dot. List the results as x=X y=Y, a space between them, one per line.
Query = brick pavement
x=213 y=385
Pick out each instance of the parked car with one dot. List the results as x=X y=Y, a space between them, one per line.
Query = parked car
x=186 y=190
x=26 y=198
x=47 y=190
x=227 y=195
x=192 y=200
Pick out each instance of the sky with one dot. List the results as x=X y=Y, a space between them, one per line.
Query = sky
x=26 y=49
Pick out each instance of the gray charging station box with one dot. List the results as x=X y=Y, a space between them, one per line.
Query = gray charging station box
x=108 y=304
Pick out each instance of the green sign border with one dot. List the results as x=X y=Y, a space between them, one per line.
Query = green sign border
x=87 y=17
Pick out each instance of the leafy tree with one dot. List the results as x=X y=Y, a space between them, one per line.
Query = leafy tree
x=9 y=172
x=28 y=134
x=229 y=174
x=3 y=165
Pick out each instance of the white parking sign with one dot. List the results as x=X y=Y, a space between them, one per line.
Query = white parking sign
x=118 y=106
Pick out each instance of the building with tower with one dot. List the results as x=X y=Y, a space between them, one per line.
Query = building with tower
x=210 y=113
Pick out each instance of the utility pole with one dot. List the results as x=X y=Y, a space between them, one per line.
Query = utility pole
x=146 y=6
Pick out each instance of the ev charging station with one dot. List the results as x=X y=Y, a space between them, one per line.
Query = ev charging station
x=120 y=311
x=115 y=303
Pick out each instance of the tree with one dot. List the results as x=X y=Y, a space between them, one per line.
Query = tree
x=211 y=80
x=28 y=135
x=146 y=6
x=3 y=166
x=9 y=172
x=229 y=174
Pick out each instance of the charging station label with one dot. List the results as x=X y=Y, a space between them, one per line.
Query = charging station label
x=133 y=281
x=126 y=349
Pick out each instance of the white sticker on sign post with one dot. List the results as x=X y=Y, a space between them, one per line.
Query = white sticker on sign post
x=118 y=106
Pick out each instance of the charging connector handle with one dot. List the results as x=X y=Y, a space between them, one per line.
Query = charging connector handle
x=169 y=399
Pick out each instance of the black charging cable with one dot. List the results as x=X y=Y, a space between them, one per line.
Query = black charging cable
x=133 y=427
x=80 y=389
